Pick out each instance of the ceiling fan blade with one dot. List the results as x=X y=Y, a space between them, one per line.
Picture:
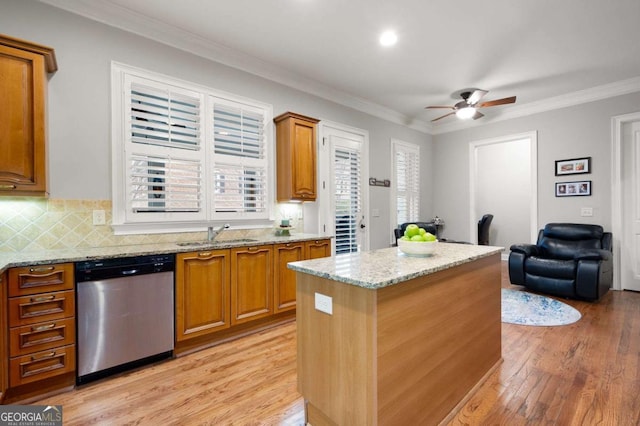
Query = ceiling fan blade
x=439 y=106
x=502 y=101
x=477 y=115
x=443 y=116
x=476 y=96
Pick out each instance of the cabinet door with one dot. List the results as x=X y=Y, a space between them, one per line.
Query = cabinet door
x=202 y=293
x=304 y=160
x=284 y=279
x=318 y=248
x=22 y=88
x=251 y=283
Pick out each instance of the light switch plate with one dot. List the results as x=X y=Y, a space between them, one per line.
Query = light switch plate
x=586 y=211
x=375 y=212
x=324 y=303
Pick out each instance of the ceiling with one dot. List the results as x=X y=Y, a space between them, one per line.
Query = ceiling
x=548 y=53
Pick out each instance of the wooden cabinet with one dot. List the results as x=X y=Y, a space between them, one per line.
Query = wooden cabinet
x=41 y=323
x=23 y=67
x=296 y=157
x=284 y=279
x=318 y=248
x=3 y=338
x=251 y=283
x=202 y=293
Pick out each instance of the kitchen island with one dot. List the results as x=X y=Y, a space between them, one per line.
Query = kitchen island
x=387 y=339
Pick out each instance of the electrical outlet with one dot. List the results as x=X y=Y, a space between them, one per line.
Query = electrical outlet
x=586 y=211
x=324 y=303
x=99 y=217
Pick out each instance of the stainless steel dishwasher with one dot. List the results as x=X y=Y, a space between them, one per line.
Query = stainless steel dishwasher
x=125 y=313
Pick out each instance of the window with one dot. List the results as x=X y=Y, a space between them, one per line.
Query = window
x=406 y=172
x=185 y=155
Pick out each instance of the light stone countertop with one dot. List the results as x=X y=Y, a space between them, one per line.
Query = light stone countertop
x=381 y=268
x=17 y=259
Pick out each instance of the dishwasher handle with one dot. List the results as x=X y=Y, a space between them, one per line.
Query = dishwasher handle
x=129 y=272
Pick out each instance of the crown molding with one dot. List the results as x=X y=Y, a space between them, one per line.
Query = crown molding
x=597 y=93
x=120 y=17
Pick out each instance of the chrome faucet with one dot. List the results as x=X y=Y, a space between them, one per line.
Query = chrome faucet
x=213 y=233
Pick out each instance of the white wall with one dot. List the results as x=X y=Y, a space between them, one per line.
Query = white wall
x=578 y=131
x=79 y=108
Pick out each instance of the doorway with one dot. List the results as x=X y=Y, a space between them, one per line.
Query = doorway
x=343 y=190
x=503 y=182
x=626 y=201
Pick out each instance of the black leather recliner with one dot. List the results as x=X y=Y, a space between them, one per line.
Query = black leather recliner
x=428 y=226
x=483 y=229
x=569 y=260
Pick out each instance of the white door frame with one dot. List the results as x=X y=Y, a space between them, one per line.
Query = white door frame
x=324 y=165
x=473 y=171
x=616 y=189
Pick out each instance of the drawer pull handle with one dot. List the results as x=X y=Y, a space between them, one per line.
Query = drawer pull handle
x=252 y=248
x=45 y=356
x=288 y=245
x=6 y=187
x=42 y=298
x=42 y=269
x=204 y=254
x=43 y=327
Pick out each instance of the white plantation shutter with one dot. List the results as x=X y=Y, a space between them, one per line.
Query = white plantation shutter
x=240 y=161
x=407 y=182
x=164 y=173
x=185 y=155
x=347 y=198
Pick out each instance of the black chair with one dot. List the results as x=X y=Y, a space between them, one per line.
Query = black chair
x=483 y=229
x=568 y=260
x=428 y=226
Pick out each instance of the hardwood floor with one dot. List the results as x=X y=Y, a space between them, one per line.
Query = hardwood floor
x=586 y=373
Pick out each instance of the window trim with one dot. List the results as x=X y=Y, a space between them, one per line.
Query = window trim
x=120 y=224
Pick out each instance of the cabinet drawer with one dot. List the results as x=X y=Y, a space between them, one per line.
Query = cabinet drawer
x=42 y=365
x=40 y=279
x=41 y=336
x=41 y=307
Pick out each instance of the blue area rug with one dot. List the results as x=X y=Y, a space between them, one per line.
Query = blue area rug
x=520 y=307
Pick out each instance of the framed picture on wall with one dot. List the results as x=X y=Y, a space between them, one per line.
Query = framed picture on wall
x=573 y=166
x=573 y=189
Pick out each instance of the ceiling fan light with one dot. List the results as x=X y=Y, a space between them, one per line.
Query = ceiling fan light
x=465 y=113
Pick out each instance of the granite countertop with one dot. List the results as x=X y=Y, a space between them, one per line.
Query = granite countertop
x=381 y=268
x=17 y=259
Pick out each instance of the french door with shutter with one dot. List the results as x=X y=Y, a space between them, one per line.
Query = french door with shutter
x=343 y=192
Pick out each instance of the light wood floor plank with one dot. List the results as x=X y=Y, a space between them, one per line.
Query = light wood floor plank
x=582 y=374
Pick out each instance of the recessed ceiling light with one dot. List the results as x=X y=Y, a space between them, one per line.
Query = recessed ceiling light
x=388 y=38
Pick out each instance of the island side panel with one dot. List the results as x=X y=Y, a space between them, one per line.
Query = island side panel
x=438 y=335
x=336 y=353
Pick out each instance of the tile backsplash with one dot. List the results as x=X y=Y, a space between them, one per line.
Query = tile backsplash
x=32 y=224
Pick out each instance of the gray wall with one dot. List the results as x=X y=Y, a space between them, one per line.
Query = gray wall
x=79 y=101
x=578 y=131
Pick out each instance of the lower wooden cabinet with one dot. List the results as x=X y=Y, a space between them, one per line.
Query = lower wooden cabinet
x=224 y=292
x=284 y=279
x=202 y=293
x=3 y=338
x=40 y=329
x=251 y=283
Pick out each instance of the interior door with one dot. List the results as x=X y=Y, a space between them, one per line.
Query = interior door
x=343 y=195
x=630 y=238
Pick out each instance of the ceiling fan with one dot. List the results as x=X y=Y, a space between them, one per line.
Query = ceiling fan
x=470 y=103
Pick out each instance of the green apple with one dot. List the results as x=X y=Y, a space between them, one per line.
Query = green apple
x=422 y=231
x=405 y=238
x=411 y=230
x=417 y=238
x=429 y=237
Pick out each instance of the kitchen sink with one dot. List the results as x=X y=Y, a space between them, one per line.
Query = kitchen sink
x=214 y=243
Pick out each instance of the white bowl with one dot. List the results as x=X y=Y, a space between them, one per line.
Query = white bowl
x=417 y=248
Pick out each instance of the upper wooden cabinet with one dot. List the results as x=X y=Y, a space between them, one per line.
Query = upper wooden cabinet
x=23 y=67
x=296 y=157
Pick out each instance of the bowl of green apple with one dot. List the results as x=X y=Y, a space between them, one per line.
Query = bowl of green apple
x=417 y=241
